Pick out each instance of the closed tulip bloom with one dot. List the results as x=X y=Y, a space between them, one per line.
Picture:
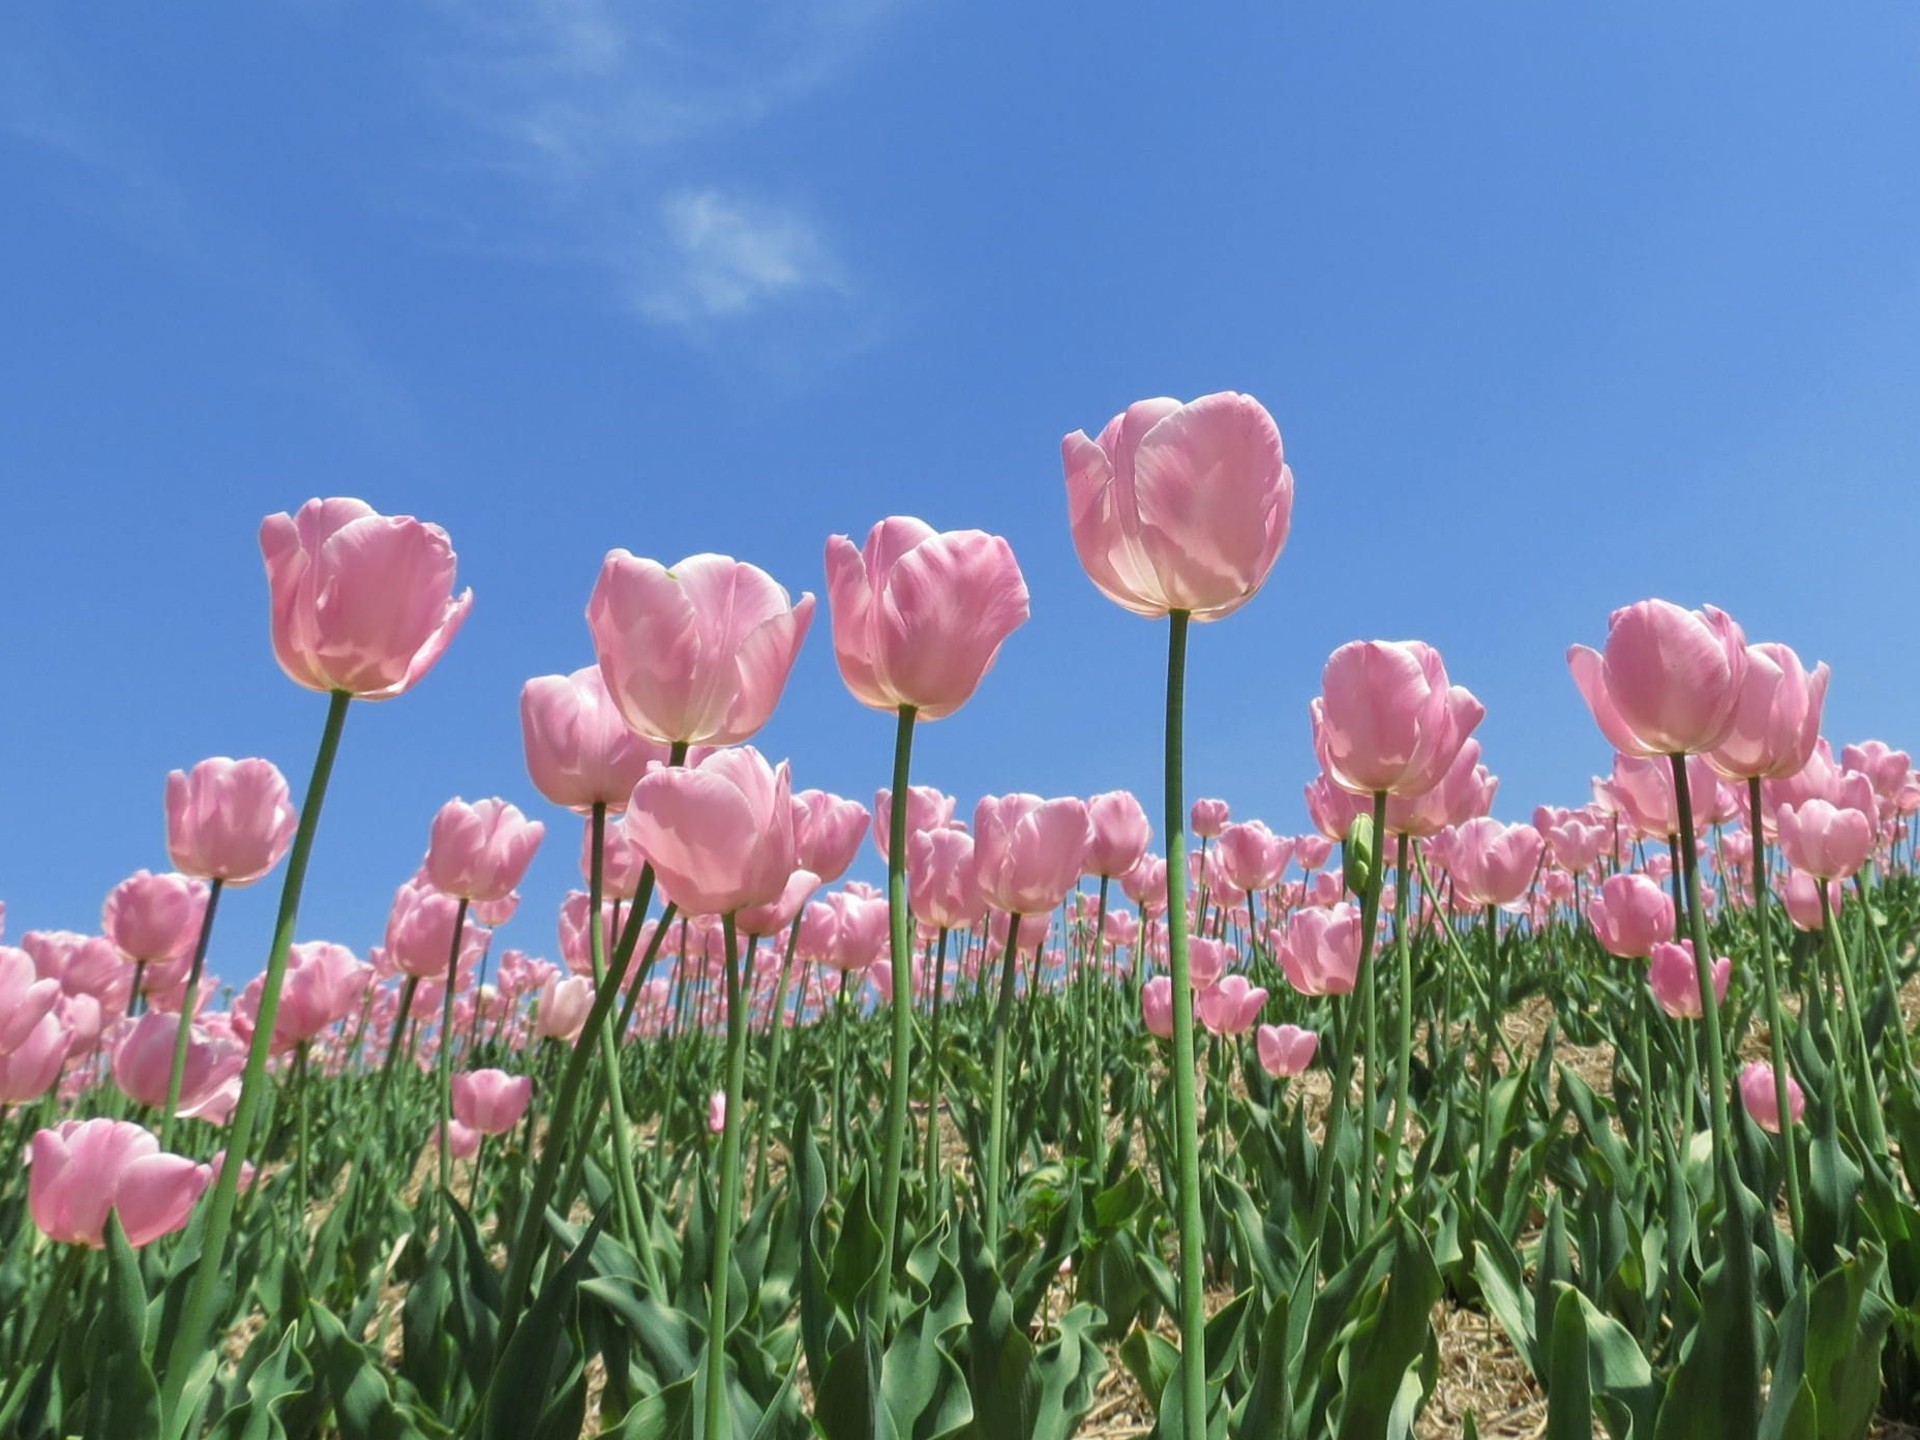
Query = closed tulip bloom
x=1669 y=680
x=1491 y=863
x=720 y=833
x=480 y=851
x=1387 y=718
x=1156 y=1006
x=717 y=1113
x=1800 y=895
x=1762 y=1097
x=580 y=752
x=87 y=965
x=1575 y=845
x=1251 y=856
x=1464 y=793
x=576 y=941
x=918 y=615
x=1146 y=885
x=362 y=602
x=490 y=1101
x=622 y=862
x=29 y=1068
x=1776 y=719
x=1029 y=851
x=83 y=1171
x=463 y=1141
x=25 y=997
x=1285 y=1050
x=1630 y=915
x=420 y=930
x=153 y=919
x=1207 y=961
x=697 y=653
x=774 y=917
x=927 y=809
x=943 y=883
x=1312 y=852
x=827 y=830
x=1209 y=817
x=1640 y=790
x=143 y=1062
x=1320 y=950
x=860 y=931
x=1180 y=506
x=1230 y=1006
x=325 y=984
x=229 y=820
x=562 y=1007
x=1676 y=982
x=1827 y=841
x=1121 y=833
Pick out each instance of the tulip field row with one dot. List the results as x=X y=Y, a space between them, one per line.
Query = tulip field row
x=1107 y=1115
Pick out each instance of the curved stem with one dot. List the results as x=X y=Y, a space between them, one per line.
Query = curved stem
x=729 y=1218
x=900 y=924
x=1869 y=1092
x=194 y=1335
x=188 y=1000
x=446 y=1048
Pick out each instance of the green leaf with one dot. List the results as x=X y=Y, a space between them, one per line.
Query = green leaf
x=1569 y=1383
x=123 y=1398
x=524 y=1383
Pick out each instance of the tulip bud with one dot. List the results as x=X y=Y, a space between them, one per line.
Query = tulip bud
x=1358 y=853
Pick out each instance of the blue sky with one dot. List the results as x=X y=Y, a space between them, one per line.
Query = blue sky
x=1557 y=307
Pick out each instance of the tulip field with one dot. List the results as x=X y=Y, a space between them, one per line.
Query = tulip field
x=1109 y=1115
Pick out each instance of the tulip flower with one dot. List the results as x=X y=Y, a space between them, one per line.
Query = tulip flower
x=1209 y=817
x=1800 y=895
x=1760 y=1094
x=1156 y=1006
x=697 y=654
x=480 y=851
x=827 y=831
x=325 y=984
x=1669 y=681
x=228 y=820
x=580 y=751
x=1029 y=851
x=942 y=879
x=720 y=833
x=1285 y=1050
x=1387 y=719
x=1121 y=833
x=83 y=1171
x=1251 y=856
x=1776 y=717
x=490 y=1101
x=1676 y=984
x=1827 y=841
x=31 y=1066
x=143 y=1063
x=1491 y=863
x=927 y=809
x=25 y=997
x=562 y=1006
x=1630 y=915
x=919 y=616
x=1320 y=950
x=1230 y=1006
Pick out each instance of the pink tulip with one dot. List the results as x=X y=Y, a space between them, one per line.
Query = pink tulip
x=1387 y=717
x=1285 y=1050
x=1121 y=833
x=83 y=964
x=860 y=932
x=420 y=930
x=563 y=1006
x=1761 y=1096
x=463 y=1141
x=1630 y=915
x=622 y=862
x=1320 y=950
x=25 y=997
x=698 y=653
x=1029 y=851
x=1827 y=841
x=1676 y=983
x=778 y=914
x=153 y=919
x=1311 y=852
x=29 y=1068
x=1251 y=856
x=1640 y=790
x=1491 y=863
x=362 y=602
x=579 y=750
x=1800 y=894
x=1576 y=846
x=480 y=851
x=1180 y=507
x=720 y=833
x=490 y=1101
x=1230 y=1006
x=325 y=984
x=1669 y=681
x=143 y=1062
x=84 y=1171
x=576 y=940
x=1776 y=719
x=919 y=616
x=1886 y=769
x=1464 y=793
x=717 y=1113
x=1156 y=1006
x=1209 y=817
x=1146 y=885
x=943 y=883
x=927 y=809
x=1207 y=961
x=827 y=831
x=229 y=820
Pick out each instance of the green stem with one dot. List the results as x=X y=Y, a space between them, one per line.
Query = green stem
x=195 y=1334
x=997 y=1117
x=900 y=922
x=729 y=1219
x=446 y=1048
x=1097 y=1120
x=933 y=1069
x=1890 y=984
x=773 y=1059
x=1776 y=1026
x=1868 y=1091
x=44 y=1331
x=188 y=998
x=1403 y=1020
x=625 y=1185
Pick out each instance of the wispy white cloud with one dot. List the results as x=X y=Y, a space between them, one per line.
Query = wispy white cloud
x=618 y=117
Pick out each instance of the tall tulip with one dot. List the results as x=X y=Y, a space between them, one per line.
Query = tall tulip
x=580 y=750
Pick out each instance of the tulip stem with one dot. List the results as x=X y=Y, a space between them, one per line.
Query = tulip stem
x=184 y=1031
x=1403 y=1019
x=900 y=923
x=729 y=1218
x=1776 y=1028
x=446 y=1048
x=997 y=1117
x=778 y=1021
x=933 y=1073
x=626 y=1187
x=44 y=1331
x=1185 y=1080
x=1890 y=984
x=1097 y=1120
x=1868 y=1097
x=192 y=1339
